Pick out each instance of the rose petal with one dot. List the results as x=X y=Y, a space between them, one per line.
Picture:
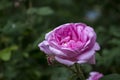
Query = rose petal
x=92 y=60
x=86 y=55
x=64 y=61
x=57 y=52
x=81 y=61
x=91 y=37
x=44 y=46
x=89 y=56
x=47 y=36
x=70 y=53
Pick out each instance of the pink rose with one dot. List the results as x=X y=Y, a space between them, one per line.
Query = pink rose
x=95 y=76
x=71 y=43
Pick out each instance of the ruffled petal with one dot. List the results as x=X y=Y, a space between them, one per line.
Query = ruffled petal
x=44 y=46
x=47 y=36
x=88 y=56
x=69 y=52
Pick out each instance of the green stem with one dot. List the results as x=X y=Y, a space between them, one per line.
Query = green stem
x=79 y=72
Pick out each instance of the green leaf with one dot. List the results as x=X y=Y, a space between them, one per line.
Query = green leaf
x=5 y=54
x=111 y=77
x=31 y=11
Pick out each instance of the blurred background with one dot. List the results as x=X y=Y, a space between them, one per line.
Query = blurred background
x=24 y=23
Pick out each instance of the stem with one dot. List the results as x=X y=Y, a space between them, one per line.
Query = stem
x=79 y=72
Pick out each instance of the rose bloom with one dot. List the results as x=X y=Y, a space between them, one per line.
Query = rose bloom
x=71 y=43
x=95 y=76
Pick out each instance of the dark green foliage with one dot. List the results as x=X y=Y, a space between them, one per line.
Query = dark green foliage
x=111 y=77
x=24 y=23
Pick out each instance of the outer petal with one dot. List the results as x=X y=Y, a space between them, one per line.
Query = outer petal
x=92 y=60
x=48 y=35
x=57 y=52
x=88 y=56
x=91 y=35
x=82 y=61
x=44 y=46
x=64 y=61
